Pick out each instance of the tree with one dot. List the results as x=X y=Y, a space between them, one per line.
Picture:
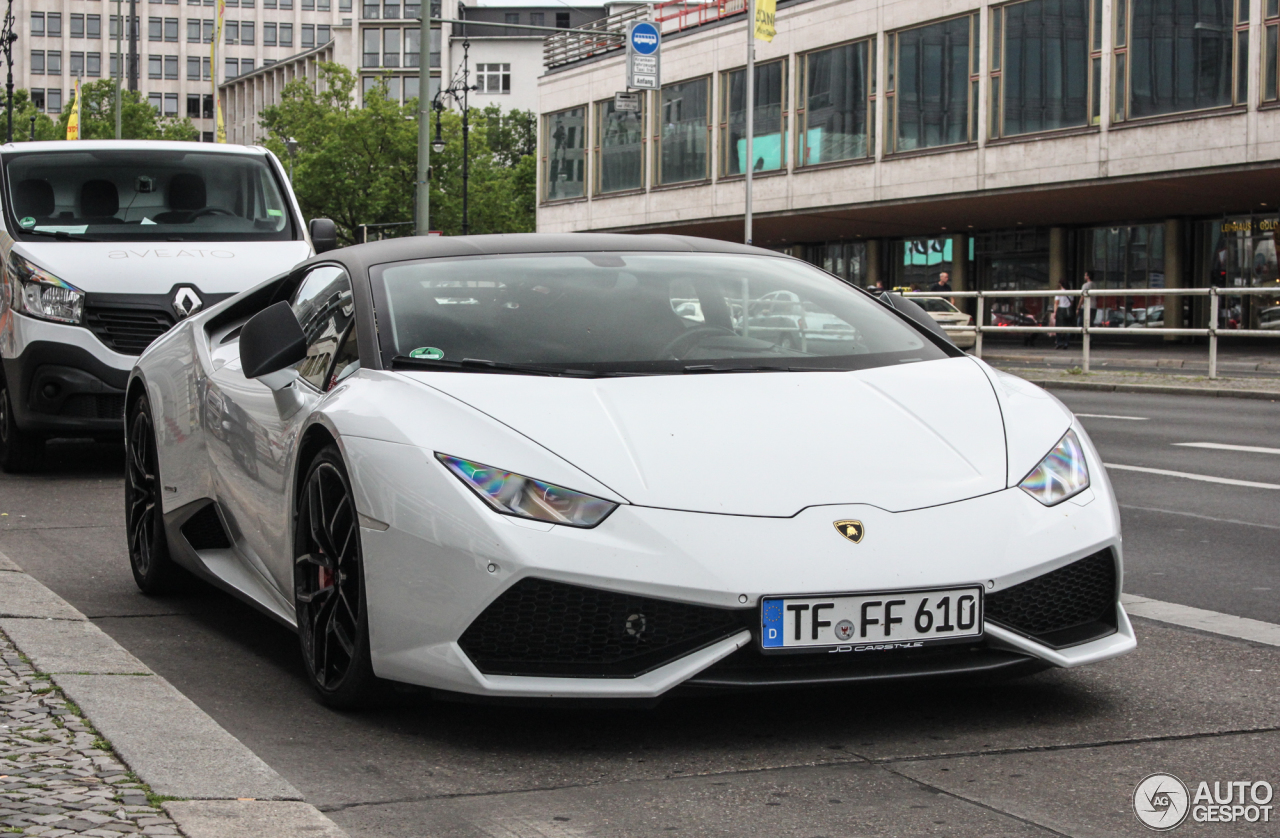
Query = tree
x=23 y=112
x=358 y=165
x=138 y=119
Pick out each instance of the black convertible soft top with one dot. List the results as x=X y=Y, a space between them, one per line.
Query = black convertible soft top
x=430 y=247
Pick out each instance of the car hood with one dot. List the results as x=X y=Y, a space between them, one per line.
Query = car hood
x=763 y=444
x=155 y=267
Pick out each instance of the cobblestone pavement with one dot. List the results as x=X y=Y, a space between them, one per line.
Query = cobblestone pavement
x=56 y=776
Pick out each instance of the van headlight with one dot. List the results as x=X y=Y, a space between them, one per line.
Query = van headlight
x=38 y=293
x=1061 y=474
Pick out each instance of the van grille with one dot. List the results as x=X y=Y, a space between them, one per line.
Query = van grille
x=127 y=331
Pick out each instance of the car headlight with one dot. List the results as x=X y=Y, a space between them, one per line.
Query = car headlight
x=1061 y=474
x=514 y=494
x=41 y=294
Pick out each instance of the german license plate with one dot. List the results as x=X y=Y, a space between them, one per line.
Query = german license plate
x=868 y=620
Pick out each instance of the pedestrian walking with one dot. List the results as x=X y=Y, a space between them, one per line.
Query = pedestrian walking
x=1085 y=286
x=943 y=284
x=1062 y=317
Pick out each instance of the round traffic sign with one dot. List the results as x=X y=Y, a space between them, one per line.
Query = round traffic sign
x=644 y=38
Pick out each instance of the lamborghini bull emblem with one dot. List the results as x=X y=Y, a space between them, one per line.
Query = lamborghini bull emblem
x=852 y=530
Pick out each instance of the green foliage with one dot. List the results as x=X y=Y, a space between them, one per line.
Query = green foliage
x=357 y=165
x=138 y=119
x=23 y=111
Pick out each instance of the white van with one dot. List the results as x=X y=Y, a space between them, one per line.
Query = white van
x=105 y=245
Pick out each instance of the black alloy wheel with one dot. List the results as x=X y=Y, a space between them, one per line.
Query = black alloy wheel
x=153 y=569
x=20 y=452
x=328 y=574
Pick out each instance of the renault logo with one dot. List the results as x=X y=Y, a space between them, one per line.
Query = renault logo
x=852 y=530
x=187 y=302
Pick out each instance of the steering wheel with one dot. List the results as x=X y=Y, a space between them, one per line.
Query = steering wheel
x=686 y=341
x=209 y=211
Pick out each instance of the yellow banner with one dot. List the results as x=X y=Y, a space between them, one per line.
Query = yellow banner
x=220 y=131
x=766 y=10
x=73 y=121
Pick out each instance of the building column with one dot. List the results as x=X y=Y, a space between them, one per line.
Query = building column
x=1058 y=257
x=875 y=270
x=1173 y=275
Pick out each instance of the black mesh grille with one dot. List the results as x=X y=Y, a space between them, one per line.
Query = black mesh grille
x=93 y=406
x=127 y=331
x=1066 y=606
x=550 y=628
x=203 y=531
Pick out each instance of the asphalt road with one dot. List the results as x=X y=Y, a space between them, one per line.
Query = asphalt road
x=1054 y=754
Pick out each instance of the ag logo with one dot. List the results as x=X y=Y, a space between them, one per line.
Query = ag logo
x=1161 y=802
x=852 y=530
x=187 y=302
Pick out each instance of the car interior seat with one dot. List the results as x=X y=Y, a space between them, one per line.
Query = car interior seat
x=33 y=198
x=99 y=202
x=186 y=196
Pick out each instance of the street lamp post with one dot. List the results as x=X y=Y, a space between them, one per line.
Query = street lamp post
x=458 y=90
x=8 y=36
x=292 y=146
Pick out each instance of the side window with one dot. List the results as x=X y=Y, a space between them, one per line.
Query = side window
x=324 y=306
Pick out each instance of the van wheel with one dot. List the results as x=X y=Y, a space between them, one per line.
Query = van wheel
x=19 y=451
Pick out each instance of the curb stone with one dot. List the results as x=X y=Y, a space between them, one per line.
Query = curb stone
x=160 y=734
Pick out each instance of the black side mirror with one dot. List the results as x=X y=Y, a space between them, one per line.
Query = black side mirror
x=324 y=234
x=271 y=341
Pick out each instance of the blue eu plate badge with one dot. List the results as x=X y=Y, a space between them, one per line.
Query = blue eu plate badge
x=771 y=618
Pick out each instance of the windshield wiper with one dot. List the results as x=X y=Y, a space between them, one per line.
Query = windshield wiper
x=484 y=365
x=707 y=368
x=60 y=235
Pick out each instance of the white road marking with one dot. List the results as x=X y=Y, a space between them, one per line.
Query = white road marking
x=1222 y=446
x=1201 y=517
x=1109 y=416
x=1207 y=478
x=1242 y=628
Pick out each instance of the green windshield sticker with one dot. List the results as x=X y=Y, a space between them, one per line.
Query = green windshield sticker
x=428 y=352
x=274 y=212
x=28 y=222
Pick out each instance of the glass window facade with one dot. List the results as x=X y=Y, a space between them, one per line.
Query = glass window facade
x=619 y=148
x=1240 y=251
x=1177 y=57
x=833 y=122
x=845 y=259
x=932 y=85
x=1040 y=68
x=683 y=131
x=564 y=144
x=770 y=136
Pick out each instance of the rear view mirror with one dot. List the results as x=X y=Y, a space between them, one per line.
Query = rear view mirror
x=324 y=234
x=271 y=342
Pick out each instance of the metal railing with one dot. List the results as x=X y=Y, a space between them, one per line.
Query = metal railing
x=674 y=15
x=1086 y=330
x=567 y=47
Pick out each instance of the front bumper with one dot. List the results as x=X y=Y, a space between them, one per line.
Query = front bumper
x=62 y=380
x=444 y=559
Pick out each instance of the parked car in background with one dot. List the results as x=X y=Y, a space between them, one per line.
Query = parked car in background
x=959 y=325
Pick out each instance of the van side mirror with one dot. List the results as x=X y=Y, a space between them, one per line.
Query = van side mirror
x=271 y=342
x=324 y=234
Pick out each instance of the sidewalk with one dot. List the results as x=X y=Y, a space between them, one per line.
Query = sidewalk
x=94 y=743
x=1153 y=355
x=1169 y=383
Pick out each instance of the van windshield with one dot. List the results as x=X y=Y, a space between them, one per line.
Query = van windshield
x=145 y=195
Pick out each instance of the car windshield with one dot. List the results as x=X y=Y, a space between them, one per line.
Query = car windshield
x=145 y=195
x=934 y=304
x=635 y=313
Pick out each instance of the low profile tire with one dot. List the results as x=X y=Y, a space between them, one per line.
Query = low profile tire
x=329 y=594
x=20 y=451
x=153 y=568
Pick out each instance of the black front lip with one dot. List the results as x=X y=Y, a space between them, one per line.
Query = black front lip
x=68 y=370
